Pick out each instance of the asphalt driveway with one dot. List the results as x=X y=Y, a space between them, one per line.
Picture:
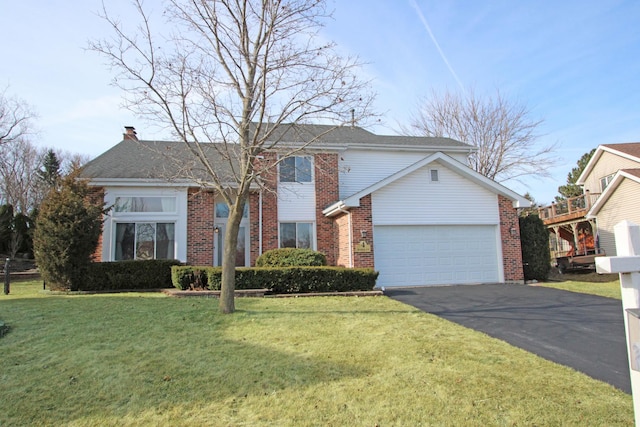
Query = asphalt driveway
x=585 y=332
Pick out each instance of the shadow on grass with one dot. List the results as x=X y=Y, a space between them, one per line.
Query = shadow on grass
x=98 y=357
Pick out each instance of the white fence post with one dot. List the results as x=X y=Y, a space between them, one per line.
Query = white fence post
x=627 y=265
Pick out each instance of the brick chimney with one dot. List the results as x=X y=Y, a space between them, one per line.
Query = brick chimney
x=130 y=133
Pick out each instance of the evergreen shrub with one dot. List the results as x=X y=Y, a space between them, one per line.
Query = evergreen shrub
x=129 y=275
x=284 y=280
x=291 y=257
x=534 y=240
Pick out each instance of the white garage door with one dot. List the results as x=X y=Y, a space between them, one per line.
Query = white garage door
x=414 y=255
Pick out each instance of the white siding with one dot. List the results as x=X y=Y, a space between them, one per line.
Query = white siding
x=624 y=204
x=414 y=199
x=296 y=202
x=179 y=217
x=358 y=169
x=607 y=164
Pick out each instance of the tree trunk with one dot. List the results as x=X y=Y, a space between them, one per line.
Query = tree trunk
x=227 y=291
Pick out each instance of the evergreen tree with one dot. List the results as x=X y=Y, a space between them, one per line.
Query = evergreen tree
x=67 y=231
x=571 y=189
x=536 y=257
x=50 y=171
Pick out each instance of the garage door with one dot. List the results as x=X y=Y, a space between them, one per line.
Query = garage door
x=414 y=255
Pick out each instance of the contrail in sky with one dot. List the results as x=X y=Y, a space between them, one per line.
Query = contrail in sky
x=435 y=42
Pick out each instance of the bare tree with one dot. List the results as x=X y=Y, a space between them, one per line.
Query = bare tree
x=502 y=131
x=16 y=118
x=21 y=164
x=231 y=72
x=18 y=163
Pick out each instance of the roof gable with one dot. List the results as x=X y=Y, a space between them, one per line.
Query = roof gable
x=629 y=151
x=621 y=175
x=456 y=166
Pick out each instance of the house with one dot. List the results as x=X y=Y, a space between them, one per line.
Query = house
x=614 y=173
x=409 y=207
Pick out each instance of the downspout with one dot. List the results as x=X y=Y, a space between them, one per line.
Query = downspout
x=350 y=236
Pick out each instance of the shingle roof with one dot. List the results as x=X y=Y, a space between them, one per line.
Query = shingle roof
x=630 y=148
x=634 y=172
x=354 y=136
x=165 y=160
x=156 y=160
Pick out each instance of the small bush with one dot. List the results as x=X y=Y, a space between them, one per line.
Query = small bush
x=280 y=280
x=131 y=274
x=291 y=257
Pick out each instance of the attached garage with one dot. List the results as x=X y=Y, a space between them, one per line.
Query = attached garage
x=416 y=255
x=436 y=222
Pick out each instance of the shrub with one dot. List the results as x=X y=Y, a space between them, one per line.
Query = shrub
x=130 y=274
x=534 y=239
x=291 y=257
x=280 y=280
x=67 y=230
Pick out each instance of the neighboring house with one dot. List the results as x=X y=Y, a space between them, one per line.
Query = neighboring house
x=614 y=172
x=582 y=227
x=409 y=207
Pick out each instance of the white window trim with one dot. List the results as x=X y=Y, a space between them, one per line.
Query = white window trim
x=179 y=218
x=437 y=175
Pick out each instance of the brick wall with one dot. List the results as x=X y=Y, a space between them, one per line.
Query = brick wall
x=361 y=220
x=269 y=204
x=327 y=192
x=200 y=227
x=511 y=249
x=96 y=195
x=343 y=255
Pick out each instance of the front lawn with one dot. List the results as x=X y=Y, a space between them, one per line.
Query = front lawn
x=610 y=289
x=147 y=359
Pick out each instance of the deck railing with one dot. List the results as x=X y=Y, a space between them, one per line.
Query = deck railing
x=572 y=205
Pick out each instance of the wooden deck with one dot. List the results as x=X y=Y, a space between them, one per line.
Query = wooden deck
x=572 y=209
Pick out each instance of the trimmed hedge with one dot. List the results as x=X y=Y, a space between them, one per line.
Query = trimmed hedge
x=279 y=280
x=130 y=274
x=291 y=257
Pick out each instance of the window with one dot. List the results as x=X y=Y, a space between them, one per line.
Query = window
x=145 y=240
x=145 y=204
x=296 y=169
x=222 y=210
x=434 y=175
x=604 y=182
x=296 y=235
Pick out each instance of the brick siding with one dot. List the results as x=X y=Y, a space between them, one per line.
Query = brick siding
x=511 y=249
x=200 y=227
x=327 y=192
x=96 y=195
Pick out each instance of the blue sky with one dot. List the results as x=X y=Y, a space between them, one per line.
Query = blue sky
x=575 y=64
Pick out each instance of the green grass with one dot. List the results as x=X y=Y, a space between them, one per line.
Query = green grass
x=146 y=359
x=603 y=289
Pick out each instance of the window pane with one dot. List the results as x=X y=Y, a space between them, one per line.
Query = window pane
x=145 y=204
x=222 y=210
x=304 y=235
x=303 y=169
x=288 y=235
x=125 y=240
x=145 y=241
x=165 y=241
x=288 y=170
